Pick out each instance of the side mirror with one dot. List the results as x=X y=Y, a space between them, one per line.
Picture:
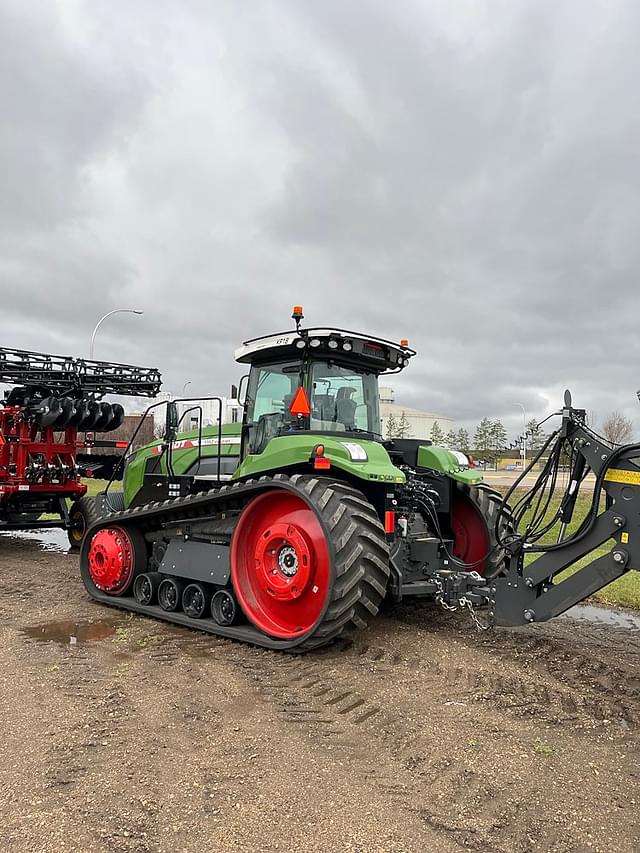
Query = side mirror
x=242 y=390
x=171 y=421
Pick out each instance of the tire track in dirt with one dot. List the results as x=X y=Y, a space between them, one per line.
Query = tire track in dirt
x=338 y=692
x=568 y=669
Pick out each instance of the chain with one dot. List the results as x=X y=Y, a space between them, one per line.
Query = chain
x=439 y=598
x=463 y=602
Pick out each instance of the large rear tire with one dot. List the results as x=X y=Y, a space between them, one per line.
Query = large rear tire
x=314 y=564
x=475 y=511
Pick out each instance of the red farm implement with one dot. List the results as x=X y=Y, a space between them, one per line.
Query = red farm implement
x=54 y=399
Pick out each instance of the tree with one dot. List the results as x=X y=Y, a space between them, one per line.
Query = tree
x=498 y=437
x=482 y=438
x=437 y=435
x=392 y=426
x=462 y=440
x=451 y=440
x=535 y=437
x=404 y=427
x=617 y=429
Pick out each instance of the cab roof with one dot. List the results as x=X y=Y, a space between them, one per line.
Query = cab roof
x=368 y=351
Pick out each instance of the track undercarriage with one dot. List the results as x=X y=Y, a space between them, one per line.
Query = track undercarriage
x=319 y=551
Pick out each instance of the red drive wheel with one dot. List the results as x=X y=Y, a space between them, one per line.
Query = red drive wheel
x=281 y=565
x=472 y=541
x=111 y=560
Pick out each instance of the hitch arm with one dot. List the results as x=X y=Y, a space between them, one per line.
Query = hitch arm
x=529 y=594
x=532 y=592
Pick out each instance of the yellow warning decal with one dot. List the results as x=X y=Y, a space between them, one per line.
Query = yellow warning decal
x=618 y=475
x=624 y=538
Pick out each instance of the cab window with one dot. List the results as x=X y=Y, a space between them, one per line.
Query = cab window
x=269 y=395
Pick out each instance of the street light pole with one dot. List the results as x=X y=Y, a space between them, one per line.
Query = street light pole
x=109 y=314
x=184 y=387
x=524 y=435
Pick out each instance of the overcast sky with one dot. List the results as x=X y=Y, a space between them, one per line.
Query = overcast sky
x=465 y=174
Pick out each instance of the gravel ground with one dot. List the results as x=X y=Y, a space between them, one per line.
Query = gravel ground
x=124 y=734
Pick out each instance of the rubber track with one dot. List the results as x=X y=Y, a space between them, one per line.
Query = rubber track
x=356 y=540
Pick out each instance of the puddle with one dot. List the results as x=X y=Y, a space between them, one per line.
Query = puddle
x=603 y=616
x=69 y=633
x=48 y=538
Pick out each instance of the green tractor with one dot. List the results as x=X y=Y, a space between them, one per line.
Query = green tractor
x=291 y=528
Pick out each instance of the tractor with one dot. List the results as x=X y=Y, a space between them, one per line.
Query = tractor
x=291 y=528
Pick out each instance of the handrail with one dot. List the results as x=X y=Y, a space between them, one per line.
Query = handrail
x=167 y=446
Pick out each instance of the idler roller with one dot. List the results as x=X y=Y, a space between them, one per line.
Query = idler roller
x=145 y=587
x=195 y=600
x=170 y=594
x=224 y=607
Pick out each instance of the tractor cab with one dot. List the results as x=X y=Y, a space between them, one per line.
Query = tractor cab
x=318 y=380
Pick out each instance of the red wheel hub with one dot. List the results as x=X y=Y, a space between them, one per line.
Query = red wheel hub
x=111 y=560
x=471 y=536
x=280 y=564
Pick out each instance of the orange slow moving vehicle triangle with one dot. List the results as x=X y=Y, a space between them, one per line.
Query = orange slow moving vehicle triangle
x=300 y=403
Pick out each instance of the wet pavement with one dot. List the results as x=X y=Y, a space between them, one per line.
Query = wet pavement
x=47 y=539
x=604 y=616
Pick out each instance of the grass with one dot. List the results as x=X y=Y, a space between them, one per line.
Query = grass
x=96 y=486
x=624 y=592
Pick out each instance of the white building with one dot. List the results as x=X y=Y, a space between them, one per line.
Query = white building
x=420 y=423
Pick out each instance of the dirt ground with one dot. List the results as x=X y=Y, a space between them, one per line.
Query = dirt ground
x=124 y=734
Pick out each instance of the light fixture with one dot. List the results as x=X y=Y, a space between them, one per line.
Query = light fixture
x=347 y=346
x=314 y=342
x=300 y=343
x=333 y=344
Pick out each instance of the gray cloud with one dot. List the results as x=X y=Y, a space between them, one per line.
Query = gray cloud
x=464 y=177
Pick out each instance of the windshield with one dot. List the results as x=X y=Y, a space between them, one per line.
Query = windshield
x=343 y=399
